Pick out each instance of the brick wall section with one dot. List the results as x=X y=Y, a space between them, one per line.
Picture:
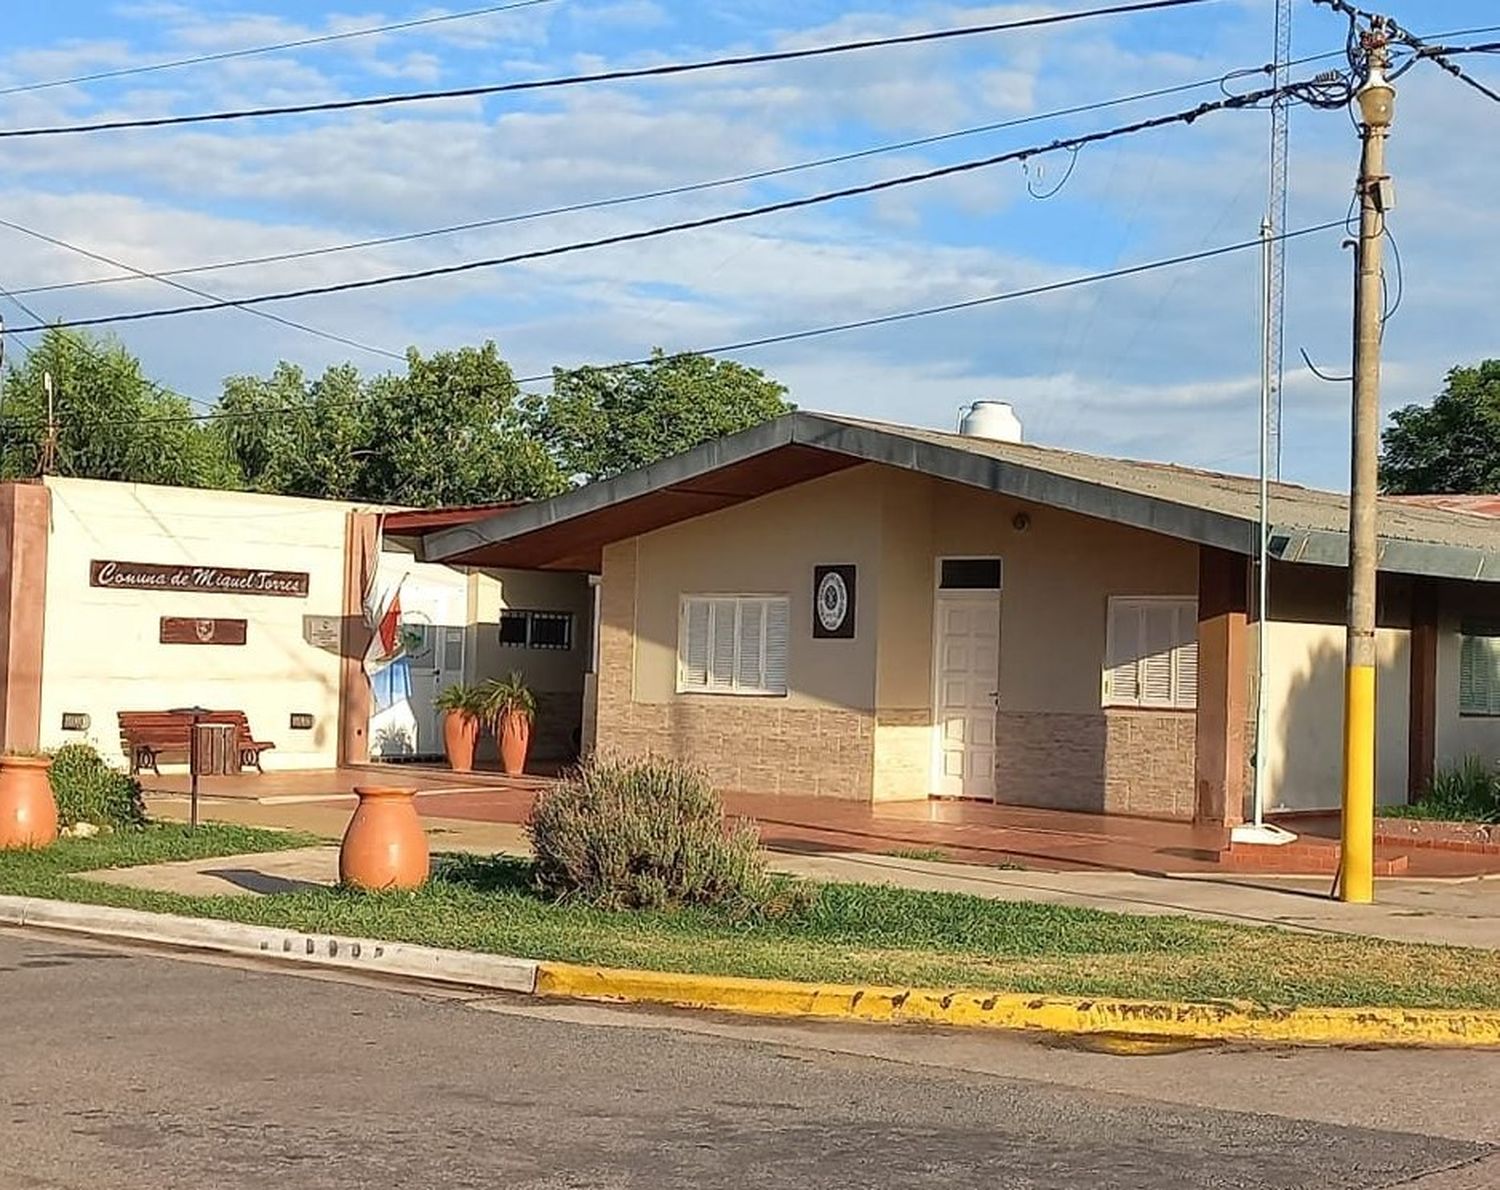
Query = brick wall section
x=748 y=745
x=1150 y=762
x=1116 y=762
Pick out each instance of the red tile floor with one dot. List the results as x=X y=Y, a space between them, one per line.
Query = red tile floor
x=970 y=832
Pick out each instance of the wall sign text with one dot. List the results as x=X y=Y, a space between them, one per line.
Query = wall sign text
x=203 y=580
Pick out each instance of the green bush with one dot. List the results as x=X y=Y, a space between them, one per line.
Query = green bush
x=1466 y=792
x=646 y=834
x=88 y=790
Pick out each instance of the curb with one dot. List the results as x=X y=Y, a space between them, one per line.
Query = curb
x=268 y=942
x=1222 y=1021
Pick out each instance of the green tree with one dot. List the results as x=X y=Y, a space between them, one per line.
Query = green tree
x=600 y=422
x=450 y=431
x=1452 y=445
x=112 y=422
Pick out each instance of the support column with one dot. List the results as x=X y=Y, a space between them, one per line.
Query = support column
x=25 y=519
x=1223 y=687
x=1421 y=731
x=361 y=555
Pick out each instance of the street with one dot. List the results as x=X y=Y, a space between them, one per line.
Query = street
x=125 y=1070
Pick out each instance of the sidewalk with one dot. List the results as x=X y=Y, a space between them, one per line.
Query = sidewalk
x=1452 y=912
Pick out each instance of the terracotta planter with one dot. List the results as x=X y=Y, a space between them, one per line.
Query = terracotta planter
x=460 y=738
x=384 y=846
x=515 y=741
x=28 y=815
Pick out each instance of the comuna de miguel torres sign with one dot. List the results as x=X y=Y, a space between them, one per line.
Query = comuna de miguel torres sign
x=213 y=580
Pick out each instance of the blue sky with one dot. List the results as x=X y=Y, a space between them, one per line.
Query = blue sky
x=1161 y=366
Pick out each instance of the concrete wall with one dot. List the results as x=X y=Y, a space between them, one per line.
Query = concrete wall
x=101 y=647
x=1458 y=735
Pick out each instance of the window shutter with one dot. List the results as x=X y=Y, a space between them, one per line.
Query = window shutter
x=1479 y=675
x=751 y=668
x=1185 y=658
x=721 y=658
x=778 y=629
x=695 y=644
x=1156 y=657
x=1123 y=681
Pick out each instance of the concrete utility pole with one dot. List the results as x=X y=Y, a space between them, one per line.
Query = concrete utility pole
x=1376 y=99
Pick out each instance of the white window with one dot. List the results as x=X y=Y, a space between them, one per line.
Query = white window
x=1152 y=649
x=732 y=644
x=1479 y=674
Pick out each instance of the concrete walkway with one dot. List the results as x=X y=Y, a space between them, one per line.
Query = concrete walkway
x=1454 y=912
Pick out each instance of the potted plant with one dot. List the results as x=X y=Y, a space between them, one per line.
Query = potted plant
x=510 y=707
x=463 y=709
x=28 y=813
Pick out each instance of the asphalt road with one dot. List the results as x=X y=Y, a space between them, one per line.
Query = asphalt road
x=122 y=1070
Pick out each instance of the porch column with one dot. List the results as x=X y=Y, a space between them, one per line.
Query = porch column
x=361 y=545
x=1421 y=731
x=24 y=526
x=1223 y=687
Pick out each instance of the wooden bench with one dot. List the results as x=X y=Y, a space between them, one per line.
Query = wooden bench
x=148 y=737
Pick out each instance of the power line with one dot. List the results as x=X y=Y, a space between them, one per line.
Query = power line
x=300 y=43
x=143 y=274
x=608 y=76
x=1440 y=55
x=1320 y=93
x=1419 y=46
x=695 y=187
x=833 y=329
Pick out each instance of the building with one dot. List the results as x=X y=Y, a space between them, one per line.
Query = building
x=851 y=609
x=817 y=606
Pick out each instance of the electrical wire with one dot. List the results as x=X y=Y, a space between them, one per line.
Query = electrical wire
x=143 y=274
x=607 y=76
x=300 y=43
x=1316 y=93
x=836 y=328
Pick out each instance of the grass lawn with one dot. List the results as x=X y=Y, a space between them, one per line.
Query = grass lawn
x=849 y=933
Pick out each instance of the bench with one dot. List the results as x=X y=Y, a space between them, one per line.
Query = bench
x=148 y=737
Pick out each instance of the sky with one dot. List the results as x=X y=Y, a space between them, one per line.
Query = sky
x=1163 y=365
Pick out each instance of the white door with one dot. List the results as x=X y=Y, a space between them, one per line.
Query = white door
x=435 y=649
x=966 y=693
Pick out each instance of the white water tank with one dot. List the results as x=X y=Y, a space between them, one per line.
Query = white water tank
x=995 y=420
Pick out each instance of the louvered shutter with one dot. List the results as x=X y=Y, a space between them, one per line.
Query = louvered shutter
x=694 y=648
x=1479 y=675
x=1122 y=684
x=1159 y=634
x=777 y=632
x=1185 y=658
x=722 y=626
x=750 y=670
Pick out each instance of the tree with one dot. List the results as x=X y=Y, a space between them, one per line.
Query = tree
x=1452 y=445
x=450 y=431
x=600 y=422
x=112 y=422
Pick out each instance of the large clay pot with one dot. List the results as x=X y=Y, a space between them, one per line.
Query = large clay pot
x=28 y=815
x=460 y=738
x=384 y=846
x=515 y=742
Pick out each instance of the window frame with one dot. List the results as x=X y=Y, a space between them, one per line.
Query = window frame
x=1477 y=634
x=734 y=690
x=1109 y=699
x=531 y=615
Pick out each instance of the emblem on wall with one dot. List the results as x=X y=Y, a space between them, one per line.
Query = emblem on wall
x=183 y=630
x=833 y=602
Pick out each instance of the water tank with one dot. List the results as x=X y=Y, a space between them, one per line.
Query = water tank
x=995 y=420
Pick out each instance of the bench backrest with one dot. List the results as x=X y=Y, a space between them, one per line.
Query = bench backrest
x=167 y=729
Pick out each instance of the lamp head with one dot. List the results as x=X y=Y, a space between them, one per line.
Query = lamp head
x=1376 y=99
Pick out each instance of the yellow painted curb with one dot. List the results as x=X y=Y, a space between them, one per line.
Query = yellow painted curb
x=1216 y=1021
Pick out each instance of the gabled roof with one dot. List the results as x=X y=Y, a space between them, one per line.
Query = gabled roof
x=569 y=531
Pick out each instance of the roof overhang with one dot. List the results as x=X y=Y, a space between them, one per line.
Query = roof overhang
x=569 y=531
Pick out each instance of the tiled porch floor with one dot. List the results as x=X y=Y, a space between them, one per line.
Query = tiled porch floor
x=969 y=832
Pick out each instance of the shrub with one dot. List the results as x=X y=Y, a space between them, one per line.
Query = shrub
x=88 y=790
x=1466 y=792
x=646 y=834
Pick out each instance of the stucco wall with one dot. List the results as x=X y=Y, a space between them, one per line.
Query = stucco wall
x=1458 y=735
x=101 y=647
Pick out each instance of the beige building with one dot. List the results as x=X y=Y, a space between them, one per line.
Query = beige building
x=127 y=597
x=823 y=606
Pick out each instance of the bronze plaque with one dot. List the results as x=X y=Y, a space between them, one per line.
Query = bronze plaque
x=209 y=580
x=183 y=630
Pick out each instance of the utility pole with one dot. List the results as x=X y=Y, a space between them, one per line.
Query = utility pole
x=1376 y=99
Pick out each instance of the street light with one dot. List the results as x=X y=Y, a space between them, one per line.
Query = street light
x=1377 y=99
